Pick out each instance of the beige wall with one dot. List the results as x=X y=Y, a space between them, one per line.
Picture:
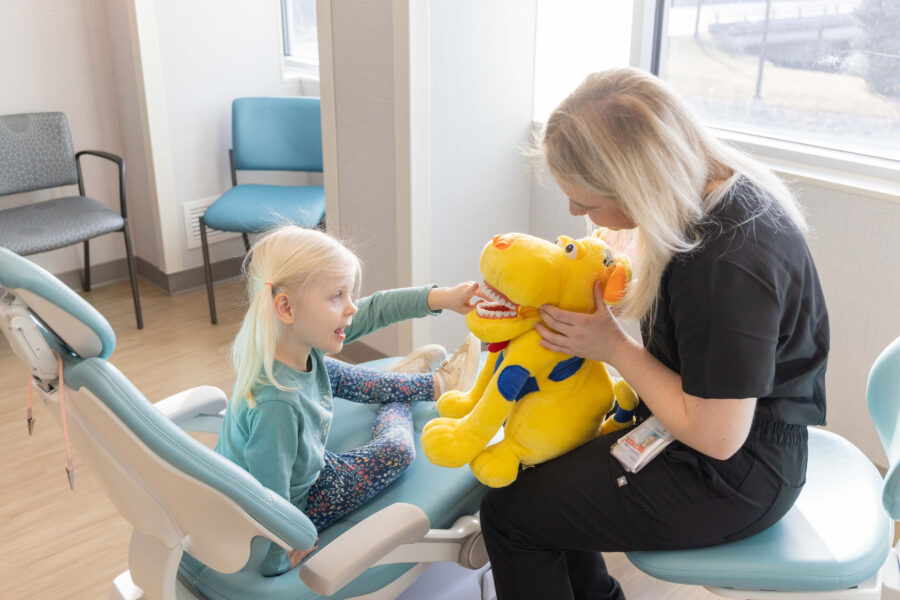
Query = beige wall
x=68 y=57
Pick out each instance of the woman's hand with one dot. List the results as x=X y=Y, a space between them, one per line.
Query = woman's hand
x=456 y=298
x=595 y=336
x=296 y=556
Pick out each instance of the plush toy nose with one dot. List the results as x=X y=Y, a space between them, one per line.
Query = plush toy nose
x=503 y=241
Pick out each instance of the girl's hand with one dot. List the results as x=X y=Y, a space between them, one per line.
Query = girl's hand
x=296 y=556
x=456 y=298
x=594 y=336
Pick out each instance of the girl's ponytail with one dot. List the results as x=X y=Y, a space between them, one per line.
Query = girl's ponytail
x=254 y=346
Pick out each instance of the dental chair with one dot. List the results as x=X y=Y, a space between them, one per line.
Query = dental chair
x=202 y=524
x=835 y=542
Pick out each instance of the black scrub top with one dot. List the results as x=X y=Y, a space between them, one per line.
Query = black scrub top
x=743 y=315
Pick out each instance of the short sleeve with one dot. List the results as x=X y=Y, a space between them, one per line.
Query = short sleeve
x=726 y=318
x=272 y=445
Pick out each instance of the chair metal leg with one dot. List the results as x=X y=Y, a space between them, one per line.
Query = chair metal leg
x=207 y=270
x=132 y=274
x=246 y=241
x=86 y=283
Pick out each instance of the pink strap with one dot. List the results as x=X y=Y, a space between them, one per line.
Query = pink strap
x=70 y=466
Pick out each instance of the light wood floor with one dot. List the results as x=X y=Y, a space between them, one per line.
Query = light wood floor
x=59 y=544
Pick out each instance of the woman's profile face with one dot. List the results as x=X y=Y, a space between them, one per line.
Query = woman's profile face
x=604 y=211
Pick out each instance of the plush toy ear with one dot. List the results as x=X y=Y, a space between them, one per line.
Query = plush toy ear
x=615 y=285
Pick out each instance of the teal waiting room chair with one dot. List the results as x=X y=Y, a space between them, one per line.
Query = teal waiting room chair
x=267 y=134
x=200 y=523
x=836 y=542
x=36 y=153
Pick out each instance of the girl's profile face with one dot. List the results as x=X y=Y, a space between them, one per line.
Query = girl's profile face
x=323 y=313
x=604 y=211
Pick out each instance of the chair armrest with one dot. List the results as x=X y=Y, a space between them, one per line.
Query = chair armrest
x=196 y=409
x=351 y=553
x=123 y=210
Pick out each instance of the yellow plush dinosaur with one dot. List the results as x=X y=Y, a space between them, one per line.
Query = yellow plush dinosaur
x=550 y=402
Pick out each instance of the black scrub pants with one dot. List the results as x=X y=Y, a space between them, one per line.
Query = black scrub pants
x=544 y=533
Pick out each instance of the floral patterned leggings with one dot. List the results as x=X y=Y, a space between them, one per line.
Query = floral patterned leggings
x=351 y=478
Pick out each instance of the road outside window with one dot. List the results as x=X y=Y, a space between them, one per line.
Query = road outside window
x=819 y=72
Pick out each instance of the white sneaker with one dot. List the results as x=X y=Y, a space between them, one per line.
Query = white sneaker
x=423 y=359
x=459 y=371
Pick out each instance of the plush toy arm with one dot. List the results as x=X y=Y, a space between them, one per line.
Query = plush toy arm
x=626 y=401
x=454 y=442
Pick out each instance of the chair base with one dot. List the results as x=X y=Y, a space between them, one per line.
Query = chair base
x=883 y=585
x=123 y=588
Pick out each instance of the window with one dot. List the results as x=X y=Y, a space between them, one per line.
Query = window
x=823 y=73
x=301 y=42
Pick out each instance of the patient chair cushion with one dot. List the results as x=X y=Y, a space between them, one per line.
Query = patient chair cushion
x=255 y=207
x=55 y=224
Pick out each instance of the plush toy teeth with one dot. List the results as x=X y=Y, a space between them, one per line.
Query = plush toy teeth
x=496 y=305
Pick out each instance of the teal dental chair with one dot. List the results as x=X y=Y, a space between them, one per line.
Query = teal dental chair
x=836 y=541
x=201 y=524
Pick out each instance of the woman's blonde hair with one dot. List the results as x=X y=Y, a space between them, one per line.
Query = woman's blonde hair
x=624 y=133
x=288 y=258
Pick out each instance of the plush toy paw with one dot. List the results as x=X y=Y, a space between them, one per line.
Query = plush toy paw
x=455 y=404
x=449 y=443
x=496 y=466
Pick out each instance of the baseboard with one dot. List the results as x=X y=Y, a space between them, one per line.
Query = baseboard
x=174 y=284
x=171 y=284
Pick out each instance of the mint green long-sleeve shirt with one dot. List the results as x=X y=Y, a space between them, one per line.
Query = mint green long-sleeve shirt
x=282 y=440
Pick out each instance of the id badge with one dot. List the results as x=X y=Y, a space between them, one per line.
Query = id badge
x=641 y=445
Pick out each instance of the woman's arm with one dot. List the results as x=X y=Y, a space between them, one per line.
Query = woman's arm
x=716 y=427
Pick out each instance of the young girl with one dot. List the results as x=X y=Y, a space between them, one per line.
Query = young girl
x=301 y=284
x=732 y=364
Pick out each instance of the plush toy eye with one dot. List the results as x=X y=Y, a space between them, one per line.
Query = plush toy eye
x=608 y=259
x=571 y=250
x=561 y=241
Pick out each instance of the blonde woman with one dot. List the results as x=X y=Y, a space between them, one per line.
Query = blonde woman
x=301 y=286
x=735 y=344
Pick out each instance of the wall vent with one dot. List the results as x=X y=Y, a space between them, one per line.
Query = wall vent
x=193 y=210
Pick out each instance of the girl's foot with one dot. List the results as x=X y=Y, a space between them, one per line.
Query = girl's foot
x=459 y=371
x=421 y=360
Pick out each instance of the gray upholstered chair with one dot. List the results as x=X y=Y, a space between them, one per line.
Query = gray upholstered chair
x=36 y=153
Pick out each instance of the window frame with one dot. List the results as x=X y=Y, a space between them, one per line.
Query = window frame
x=831 y=167
x=294 y=67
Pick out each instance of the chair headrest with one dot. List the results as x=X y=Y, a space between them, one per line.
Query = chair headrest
x=27 y=289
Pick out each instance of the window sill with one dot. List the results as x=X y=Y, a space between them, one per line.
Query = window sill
x=868 y=176
x=294 y=69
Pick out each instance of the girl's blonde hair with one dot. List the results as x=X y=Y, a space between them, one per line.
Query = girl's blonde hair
x=290 y=259
x=624 y=133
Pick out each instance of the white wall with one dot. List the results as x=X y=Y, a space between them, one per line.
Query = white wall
x=481 y=81
x=855 y=246
x=210 y=52
x=57 y=56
